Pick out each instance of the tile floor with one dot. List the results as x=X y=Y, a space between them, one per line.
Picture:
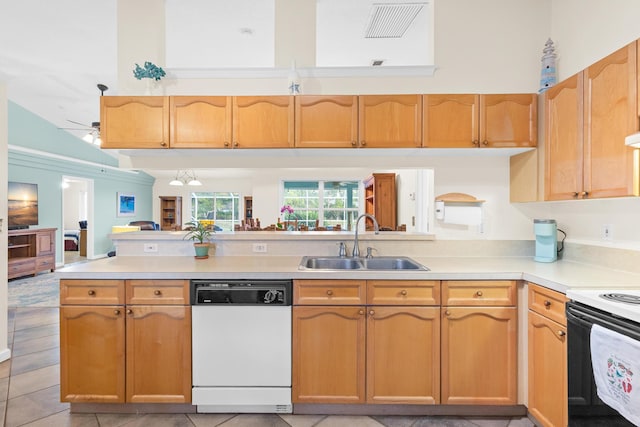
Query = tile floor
x=30 y=392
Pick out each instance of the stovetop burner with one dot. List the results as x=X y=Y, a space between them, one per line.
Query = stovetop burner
x=625 y=298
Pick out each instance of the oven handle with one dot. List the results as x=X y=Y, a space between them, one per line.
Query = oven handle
x=587 y=319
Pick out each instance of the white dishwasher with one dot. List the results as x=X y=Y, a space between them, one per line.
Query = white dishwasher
x=241 y=338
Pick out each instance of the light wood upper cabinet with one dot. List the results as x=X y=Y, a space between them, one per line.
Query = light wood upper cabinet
x=468 y=120
x=263 y=122
x=326 y=121
x=451 y=121
x=610 y=114
x=390 y=121
x=563 y=139
x=509 y=120
x=587 y=117
x=200 y=121
x=134 y=121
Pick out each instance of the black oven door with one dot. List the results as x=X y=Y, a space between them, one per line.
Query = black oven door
x=585 y=408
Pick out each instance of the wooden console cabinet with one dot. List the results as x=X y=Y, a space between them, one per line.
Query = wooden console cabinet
x=170 y=213
x=31 y=251
x=381 y=200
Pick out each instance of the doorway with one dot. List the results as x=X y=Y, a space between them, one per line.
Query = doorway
x=77 y=219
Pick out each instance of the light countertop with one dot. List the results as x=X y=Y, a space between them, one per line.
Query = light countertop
x=560 y=275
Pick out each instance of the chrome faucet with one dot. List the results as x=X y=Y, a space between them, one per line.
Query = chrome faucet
x=356 y=249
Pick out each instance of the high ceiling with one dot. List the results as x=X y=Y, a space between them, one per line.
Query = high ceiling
x=54 y=53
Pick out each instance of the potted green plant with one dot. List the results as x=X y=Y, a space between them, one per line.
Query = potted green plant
x=200 y=234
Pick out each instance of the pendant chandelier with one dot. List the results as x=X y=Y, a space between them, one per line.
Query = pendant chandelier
x=187 y=177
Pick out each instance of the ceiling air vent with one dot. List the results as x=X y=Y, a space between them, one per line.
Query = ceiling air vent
x=377 y=62
x=391 y=20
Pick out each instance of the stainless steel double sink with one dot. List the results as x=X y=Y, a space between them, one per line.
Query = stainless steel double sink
x=345 y=263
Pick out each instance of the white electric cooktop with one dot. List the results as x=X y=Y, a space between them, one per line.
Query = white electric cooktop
x=621 y=302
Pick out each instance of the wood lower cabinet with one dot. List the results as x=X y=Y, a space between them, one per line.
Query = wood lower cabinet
x=479 y=343
x=125 y=341
x=403 y=355
x=328 y=354
x=587 y=118
x=481 y=121
x=365 y=353
x=547 y=331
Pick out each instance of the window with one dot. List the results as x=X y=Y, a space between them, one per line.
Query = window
x=329 y=202
x=222 y=207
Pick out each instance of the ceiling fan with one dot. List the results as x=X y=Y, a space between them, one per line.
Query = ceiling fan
x=93 y=134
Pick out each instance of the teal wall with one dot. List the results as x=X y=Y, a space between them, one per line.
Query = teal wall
x=49 y=156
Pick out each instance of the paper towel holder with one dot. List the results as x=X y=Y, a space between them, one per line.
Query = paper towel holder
x=453 y=198
x=457 y=198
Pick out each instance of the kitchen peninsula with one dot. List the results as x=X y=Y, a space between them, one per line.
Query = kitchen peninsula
x=497 y=281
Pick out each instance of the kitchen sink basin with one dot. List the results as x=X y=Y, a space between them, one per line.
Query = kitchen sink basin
x=391 y=263
x=343 y=263
x=330 y=263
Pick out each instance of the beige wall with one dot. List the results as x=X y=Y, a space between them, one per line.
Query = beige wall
x=481 y=47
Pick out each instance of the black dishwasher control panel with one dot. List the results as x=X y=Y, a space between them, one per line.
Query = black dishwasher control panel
x=241 y=292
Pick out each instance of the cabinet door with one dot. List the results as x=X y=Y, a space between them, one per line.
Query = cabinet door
x=200 y=121
x=263 y=121
x=610 y=114
x=328 y=354
x=390 y=121
x=547 y=371
x=403 y=355
x=479 y=347
x=158 y=354
x=509 y=120
x=134 y=121
x=563 y=139
x=326 y=121
x=92 y=354
x=451 y=121
x=45 y=243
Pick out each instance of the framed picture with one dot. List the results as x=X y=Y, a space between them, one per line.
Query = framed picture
x=126 y=204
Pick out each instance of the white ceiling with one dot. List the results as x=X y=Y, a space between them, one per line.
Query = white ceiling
x=54 y=53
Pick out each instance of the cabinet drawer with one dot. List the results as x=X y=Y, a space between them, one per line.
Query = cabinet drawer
x=160 y=292
x=329 y=292
x=479 y=292
x=45 y=263
x=548 y=303
x=403 y=292
x=92 y=292
x=21 y=268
